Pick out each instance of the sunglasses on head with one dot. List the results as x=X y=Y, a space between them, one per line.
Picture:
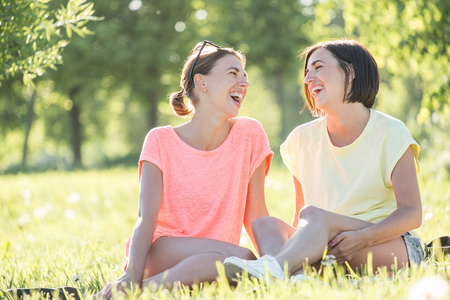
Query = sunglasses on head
x=198 y=56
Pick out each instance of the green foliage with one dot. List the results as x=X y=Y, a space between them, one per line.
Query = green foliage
x=13 y=111
x=409 y=40
x=120 y=77
x=271 y=33
x=409 y=37
x=33 y=36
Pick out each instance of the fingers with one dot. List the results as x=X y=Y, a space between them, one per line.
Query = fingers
x=115 y=287
x=339 y=249
x=334 y=241
x=105 y=293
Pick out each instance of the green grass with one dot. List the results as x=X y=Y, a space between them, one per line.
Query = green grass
x=69 y=229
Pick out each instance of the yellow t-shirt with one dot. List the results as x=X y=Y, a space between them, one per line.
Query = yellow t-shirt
x=354 y=180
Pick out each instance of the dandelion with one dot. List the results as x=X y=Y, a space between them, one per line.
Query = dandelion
x=76 y=278
x=74 y=197
x=40 y=212
x=329 y=260
x=70 y=214
x=23 y=220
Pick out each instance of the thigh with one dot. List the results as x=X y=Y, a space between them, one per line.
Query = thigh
x=166 y=252
x=384 y=254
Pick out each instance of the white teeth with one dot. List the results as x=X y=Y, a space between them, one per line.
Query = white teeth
x=236 y=96
x=316 y=88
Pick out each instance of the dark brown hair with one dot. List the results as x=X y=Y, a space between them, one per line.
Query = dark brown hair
x=367 y=77
x=208 y=57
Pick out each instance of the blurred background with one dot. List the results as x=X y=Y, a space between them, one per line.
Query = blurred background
x=83 y=82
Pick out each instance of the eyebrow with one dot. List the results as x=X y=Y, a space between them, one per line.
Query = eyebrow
x=237 y=70
x=313 y=64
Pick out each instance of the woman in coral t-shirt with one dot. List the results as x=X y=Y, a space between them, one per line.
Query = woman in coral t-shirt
x=200 y=181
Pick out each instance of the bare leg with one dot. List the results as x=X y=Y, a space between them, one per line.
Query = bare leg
x=270 y=234
x=318 y=226
x=188 y=260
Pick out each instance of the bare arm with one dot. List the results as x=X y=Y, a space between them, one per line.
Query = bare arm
x=256 y=203
x=299 y=201
x=150 y=192
x=149 y=202
x=408 y=214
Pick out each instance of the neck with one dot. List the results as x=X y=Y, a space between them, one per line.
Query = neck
x=205 y=132
x=346 y=125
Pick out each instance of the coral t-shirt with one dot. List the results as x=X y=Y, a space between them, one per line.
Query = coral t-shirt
x=205 y=192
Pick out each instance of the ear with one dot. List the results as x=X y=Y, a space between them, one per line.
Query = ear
x=199 y=81
x=351 y=73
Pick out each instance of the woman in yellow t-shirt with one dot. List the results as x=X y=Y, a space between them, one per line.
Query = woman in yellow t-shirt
x=355 y=175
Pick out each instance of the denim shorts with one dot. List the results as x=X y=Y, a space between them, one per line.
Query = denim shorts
x=414 y=247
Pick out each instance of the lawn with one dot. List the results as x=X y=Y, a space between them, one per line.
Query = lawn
x=69 y=229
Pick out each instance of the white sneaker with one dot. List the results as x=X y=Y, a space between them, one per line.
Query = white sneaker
x=256 y=268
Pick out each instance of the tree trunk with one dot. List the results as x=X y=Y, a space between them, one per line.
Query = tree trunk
x=29 y=122
x=76 y=128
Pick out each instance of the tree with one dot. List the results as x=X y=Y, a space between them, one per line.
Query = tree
x=410 y=40
x=139 y=46
x=411 y=37
x=271 y=33
x=32 y=36
x=32 y=40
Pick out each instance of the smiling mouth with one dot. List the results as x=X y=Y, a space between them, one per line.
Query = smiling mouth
x=237 y=98
x=316 y=90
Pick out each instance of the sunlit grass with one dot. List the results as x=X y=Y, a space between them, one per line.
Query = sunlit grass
x=69 y=229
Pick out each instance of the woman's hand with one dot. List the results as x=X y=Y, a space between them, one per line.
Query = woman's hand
x=346 y=245
x=121 y=285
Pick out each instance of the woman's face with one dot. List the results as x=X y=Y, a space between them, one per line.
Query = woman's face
x=325 y=79
x=227 y=85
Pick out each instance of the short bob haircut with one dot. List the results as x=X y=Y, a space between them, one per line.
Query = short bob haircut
x=367 y=77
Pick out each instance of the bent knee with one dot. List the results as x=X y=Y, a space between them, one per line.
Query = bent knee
x=263 y=224
x=310 y=212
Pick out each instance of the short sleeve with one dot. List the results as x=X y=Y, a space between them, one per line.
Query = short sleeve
x=397 y=142
x=289 y=151
x=260 y=147
x=151 y=150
